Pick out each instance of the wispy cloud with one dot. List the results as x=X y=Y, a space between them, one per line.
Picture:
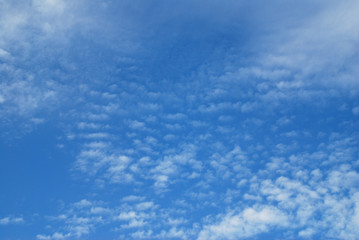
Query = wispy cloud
x=248 y=223
x=11 y=220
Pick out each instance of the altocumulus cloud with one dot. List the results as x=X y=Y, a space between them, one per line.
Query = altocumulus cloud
x=179 y=120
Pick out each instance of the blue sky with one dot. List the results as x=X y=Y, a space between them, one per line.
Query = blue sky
x=179 y=119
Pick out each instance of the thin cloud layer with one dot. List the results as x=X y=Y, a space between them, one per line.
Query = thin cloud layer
x=187 y=120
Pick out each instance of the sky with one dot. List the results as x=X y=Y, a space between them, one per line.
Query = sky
x=204 y=120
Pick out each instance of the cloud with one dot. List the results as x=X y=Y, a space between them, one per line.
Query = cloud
x=11 y=220
x=132 y=198
x=245 y=224
x=172 y=167
x=355 y=110
x=83 y=203
x=55 y=236
x=321 y=44
x=98 y=156
x=25 y=97
x=50 y=6
x=78 y=220
x=229 y=119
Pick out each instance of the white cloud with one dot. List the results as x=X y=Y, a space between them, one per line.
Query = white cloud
x=215 y=107
x=50 y=6
x=307 y=233
x=43 y=237
x=170 y=168
x=176 y=116
x=322 y=44
x=142 y=234
x=11 y=220
x=137 y=125
x=83 y=203
x=355 y=110
x=127 y=215
x=133 y=198
x=97 y=135
x=79 y=219
x=4 y=55
x=24 y=97
x=144 y=206
x=116 y=170
x=173 y=233
x=99 y=210
x=55 y=236
x=140 y=215
x=264 y=184
x=248 y=223
x=91 y=125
